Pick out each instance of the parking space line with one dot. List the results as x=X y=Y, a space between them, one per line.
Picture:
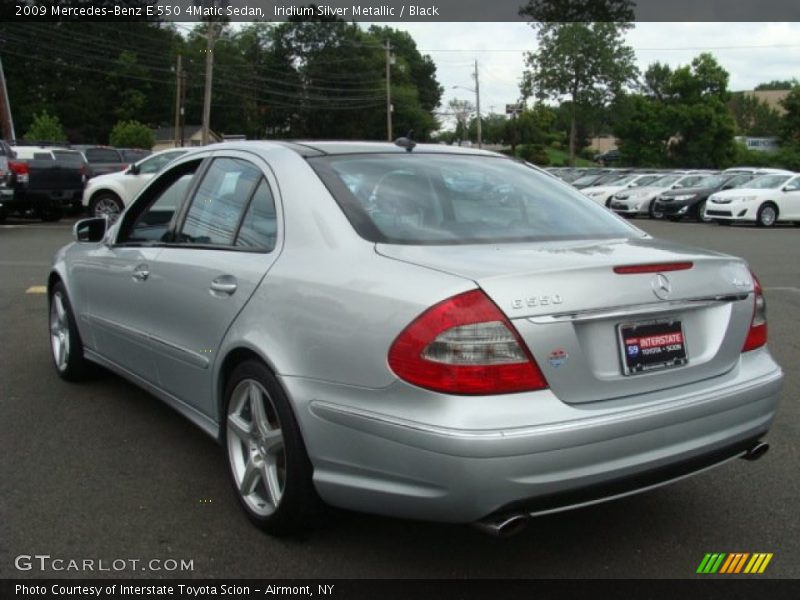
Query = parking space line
x=37 y=289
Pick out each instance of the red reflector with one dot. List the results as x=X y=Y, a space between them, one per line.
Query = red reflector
x=656 y=268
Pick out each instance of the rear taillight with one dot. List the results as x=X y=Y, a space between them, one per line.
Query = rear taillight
x=20 y=169
x=465 y=345
x=757 y=335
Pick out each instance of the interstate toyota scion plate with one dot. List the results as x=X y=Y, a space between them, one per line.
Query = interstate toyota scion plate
x=651 y=346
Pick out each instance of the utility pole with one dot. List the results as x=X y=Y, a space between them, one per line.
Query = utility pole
x=7 y=121
x=209 y=78
x=388 y=91
x=183 y=105
x=178 y=94
x=478 y=104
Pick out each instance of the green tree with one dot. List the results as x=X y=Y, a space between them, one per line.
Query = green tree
x=581 y=54
x=131 y=134
x=753 y=116
x=785 y=84
x=46 y=128
x=790 y=128
x=682 y=121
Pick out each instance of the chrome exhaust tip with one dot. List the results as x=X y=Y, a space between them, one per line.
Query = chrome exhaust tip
x=504 y=526
x=757 y=451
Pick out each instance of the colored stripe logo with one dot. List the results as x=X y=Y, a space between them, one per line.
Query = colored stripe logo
x=734 y=563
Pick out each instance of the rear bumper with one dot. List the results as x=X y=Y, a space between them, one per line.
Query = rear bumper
x=375 y=450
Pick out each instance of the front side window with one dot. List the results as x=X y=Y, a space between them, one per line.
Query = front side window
x=156 y=163
x=150 y=219
x=450 y=199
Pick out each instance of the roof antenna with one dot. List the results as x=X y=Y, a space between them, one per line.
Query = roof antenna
x=406 y=142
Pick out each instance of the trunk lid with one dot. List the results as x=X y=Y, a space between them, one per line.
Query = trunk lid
x=568 y=304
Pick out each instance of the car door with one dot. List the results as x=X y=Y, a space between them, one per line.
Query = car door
x=224 y=245
x=114 y=279
x=789 y=201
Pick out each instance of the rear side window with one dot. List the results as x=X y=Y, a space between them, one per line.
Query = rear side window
x=260 y=226
x=451 y=199
x=219 y=203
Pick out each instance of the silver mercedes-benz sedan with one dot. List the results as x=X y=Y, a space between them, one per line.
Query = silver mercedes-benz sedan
x=416 y=330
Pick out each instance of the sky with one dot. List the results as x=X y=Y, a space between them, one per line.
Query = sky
x=752 y=53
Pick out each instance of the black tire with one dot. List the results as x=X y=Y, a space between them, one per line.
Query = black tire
x=767 y=215
x=107 y=199
x=3 y=216
x=51 y=214
x=298 y=506
x=724 y=223
x=651 y=211
x=700 y=212
x=75 y=367
x=674 y=218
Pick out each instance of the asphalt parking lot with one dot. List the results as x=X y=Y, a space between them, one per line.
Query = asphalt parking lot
x=103 y=470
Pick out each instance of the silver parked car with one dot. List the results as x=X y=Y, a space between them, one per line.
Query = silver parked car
x=418 y=331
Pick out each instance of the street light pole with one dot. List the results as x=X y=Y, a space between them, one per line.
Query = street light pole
x=478 y=104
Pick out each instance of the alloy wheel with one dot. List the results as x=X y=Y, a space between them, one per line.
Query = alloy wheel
x=107 y=207
x=59 y=331
x=256 y=447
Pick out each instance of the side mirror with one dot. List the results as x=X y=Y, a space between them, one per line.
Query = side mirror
x=90 y=230
x=133 y=170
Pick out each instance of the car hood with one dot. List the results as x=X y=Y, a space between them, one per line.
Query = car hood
x=105 y=178
x=687 y=191
x=739 y=192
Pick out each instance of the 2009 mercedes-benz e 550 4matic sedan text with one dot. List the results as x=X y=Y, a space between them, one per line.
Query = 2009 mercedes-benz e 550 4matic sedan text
x=417 y=331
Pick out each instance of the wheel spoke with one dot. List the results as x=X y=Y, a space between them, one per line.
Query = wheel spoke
x=240 y=428
x=272 y=484
x=259 y=414
x=65 y=347
x=62 y=315
x=250 y=478
x=273 y=441
x=57 y=350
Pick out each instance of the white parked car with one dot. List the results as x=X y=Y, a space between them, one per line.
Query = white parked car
x=602 y=194
x=765 y=201
x=109 y=194
x=639 y=201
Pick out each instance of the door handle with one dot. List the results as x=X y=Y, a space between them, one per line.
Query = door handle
x=141 y=273
x=225 y=284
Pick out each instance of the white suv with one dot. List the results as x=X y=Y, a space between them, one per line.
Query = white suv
x=109 y=194
x=766 y=200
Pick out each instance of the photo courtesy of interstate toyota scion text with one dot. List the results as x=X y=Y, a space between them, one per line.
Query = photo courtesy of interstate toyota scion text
x=421 y=331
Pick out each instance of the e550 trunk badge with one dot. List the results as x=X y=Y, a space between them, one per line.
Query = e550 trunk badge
x=534 y=301
x=558 y=358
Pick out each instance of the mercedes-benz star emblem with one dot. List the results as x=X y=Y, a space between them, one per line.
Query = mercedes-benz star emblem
x=662 y=288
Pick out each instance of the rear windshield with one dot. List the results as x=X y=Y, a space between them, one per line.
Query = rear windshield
x=102 y=155
x=70 y=156
x=446 y=199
